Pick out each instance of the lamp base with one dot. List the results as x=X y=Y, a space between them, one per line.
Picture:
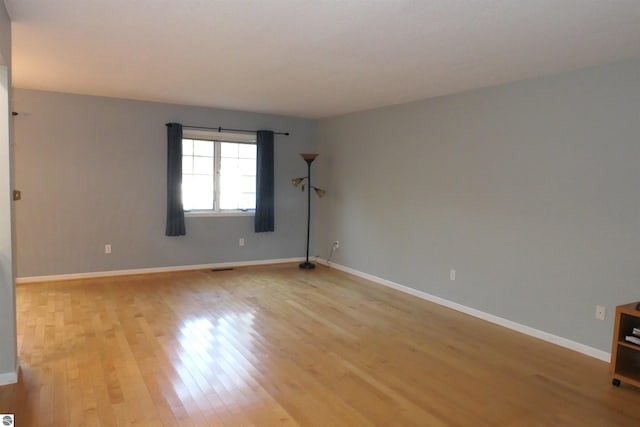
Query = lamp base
x=307 y=265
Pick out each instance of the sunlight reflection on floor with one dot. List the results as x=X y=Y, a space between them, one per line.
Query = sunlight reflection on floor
x=218 y=355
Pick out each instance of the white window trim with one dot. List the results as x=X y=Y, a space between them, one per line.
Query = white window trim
x=229 y=212
x=213 y=135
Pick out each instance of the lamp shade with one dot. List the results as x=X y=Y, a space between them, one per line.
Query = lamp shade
x=309 y=157
x=320 y=192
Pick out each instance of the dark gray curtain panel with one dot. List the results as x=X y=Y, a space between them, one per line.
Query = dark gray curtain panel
x=175 y=212
x=264 y=218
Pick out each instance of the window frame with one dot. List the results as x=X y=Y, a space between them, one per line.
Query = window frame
x=216 y=138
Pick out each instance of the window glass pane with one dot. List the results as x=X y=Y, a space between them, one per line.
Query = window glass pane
x=229 y=189
x=229 y=168
x=236 y=175
x=229 y=184
x=203 y=165
x=247 y=167
x=229 y=149
x=247 y=201
x=197 y=192
x=187 y=147
x=187 y=164
x=247 y=184
x=231 y=200
x=247 y=151
x=186 y=184
x=202 y=148
x=187 y=192
x=228 y=200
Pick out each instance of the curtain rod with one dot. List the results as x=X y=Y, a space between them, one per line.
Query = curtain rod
x=220 y=129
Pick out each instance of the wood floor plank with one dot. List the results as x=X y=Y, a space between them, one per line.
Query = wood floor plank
x=276 y=345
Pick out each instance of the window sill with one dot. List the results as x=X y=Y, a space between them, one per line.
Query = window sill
x=206 y=214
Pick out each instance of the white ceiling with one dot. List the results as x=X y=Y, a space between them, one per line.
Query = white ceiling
x=309 y=58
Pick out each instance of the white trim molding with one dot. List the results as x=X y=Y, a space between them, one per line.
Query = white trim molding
x=96 y=274
x=527 y=330
x=9 y=377
x=213 y=214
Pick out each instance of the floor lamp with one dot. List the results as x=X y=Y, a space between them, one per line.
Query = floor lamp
x=309 y=158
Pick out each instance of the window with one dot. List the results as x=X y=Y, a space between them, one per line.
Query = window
x=218 y=172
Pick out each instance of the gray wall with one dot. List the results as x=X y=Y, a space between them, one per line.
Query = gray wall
x=8 y=349
x=93 y=171
x=531 y=191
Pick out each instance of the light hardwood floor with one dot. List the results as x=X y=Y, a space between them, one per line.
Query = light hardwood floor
x=279 y=346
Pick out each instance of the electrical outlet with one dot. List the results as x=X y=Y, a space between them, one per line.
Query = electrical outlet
x=336 y=244
x=107 y=248
x=241 y=241
x=600 y=312
x=452 y=275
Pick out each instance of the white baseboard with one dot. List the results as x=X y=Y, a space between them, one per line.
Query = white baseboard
x=545 y=336
x=96 y=274
x=9 y=377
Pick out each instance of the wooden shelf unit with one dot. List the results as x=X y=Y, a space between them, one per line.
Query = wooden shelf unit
x=625 y=356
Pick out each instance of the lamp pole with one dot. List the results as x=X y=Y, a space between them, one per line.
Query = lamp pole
x=309 y=158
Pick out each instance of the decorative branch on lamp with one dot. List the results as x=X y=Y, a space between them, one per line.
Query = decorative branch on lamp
x=309 y=158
